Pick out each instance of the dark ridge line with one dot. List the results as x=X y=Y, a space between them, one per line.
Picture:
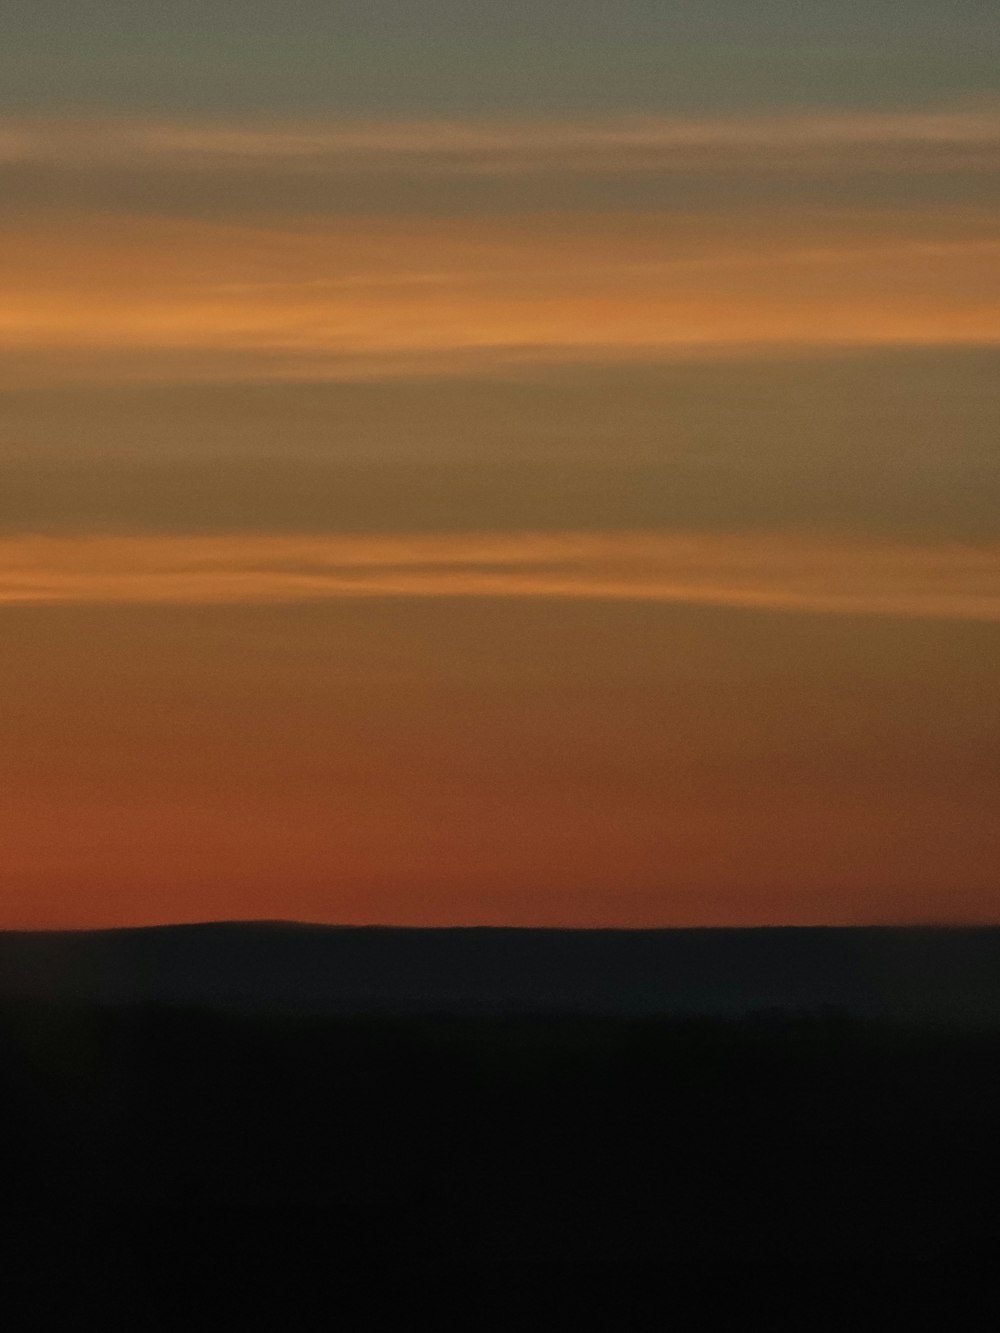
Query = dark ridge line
x=282 y=924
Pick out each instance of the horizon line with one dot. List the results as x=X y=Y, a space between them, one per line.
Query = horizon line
x=295 y=923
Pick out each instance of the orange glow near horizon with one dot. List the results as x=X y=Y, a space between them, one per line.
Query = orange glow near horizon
x=432 y=760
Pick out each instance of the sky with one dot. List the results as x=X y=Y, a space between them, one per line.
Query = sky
x=499 y=464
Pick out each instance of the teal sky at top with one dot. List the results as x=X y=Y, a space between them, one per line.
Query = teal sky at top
x=492 y=57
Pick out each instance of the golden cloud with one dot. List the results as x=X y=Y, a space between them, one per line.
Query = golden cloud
x=393 y=291
x=786 y=572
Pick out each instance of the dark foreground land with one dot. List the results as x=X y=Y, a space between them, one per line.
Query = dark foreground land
x=145 y=1138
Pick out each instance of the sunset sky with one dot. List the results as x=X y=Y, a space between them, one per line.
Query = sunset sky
x=476 y=463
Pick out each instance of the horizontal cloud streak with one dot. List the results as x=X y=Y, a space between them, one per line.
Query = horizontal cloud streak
x=789 y=572
x=895 y=140
x=312 y=295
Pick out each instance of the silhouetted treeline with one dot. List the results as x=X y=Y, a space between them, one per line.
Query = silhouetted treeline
x=137 y=1139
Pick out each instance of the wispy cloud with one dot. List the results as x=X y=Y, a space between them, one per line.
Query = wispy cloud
x=618 y=144
x=397 y=291
x=787 y=572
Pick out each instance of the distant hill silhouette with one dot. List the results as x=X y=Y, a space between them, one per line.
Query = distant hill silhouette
x=948 y=975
